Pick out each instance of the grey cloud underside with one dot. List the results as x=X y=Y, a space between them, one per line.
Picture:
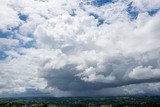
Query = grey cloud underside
x=66 y=78
x=62 y=48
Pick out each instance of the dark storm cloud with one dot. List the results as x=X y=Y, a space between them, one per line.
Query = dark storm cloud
x=66 y=78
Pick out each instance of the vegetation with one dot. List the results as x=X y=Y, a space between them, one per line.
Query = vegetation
x=124 y=101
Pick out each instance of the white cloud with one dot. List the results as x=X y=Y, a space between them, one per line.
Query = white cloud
x=21 y=73
x=144 y=73
x=73 y=50
x=146 y=5
x=25 y=39
x=8 y=17
x=149 y=34
x=8 y=42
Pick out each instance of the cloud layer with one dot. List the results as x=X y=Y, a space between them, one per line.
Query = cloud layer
x=75 y=47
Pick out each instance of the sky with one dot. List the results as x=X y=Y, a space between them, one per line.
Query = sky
x=79 y=47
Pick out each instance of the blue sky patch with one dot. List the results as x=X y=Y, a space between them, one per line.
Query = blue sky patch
x=2 y=55
x=100 y=20
x=153 y=12
x=72 y=12
x=22 y=17
x=132 y=12
x=30 y=44
x=10 y=33
x=100 y=2
x=4 y=34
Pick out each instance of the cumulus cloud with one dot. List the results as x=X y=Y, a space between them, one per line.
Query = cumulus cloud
x=73 y=54
x=8 y=42
x=146 y=5
x=144 y=73
x=8 y=17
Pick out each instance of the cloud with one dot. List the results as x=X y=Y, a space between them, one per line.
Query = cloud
x=20 y=73
x=151 y=32
x=9 y=17
x=144 y=73
x=74 y=55
x=8 y=42
x=146 y=5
